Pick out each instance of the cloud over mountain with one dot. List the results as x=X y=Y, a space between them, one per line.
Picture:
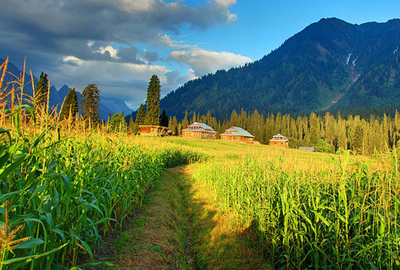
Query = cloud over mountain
x=203 y=61
x=100 y=41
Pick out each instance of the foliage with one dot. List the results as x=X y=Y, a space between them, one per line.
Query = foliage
x=71 y=106
x=313 y=214
x=65 y=194
x=42 y=91
x=131 y=126
x=327 y=132
x=153 y=102
x=164 y=119
x=117 y=123
x=90 y=105
x=139 y=118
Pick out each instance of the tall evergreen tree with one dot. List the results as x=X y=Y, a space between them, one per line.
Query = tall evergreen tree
x=90 y=104
x=185 y=121
x=164 y=119
x=314 y=129
x=153 y=102
x=71 y=106
x=42 y=91
x=131 y=125
x=139 y=118
x=173 y=125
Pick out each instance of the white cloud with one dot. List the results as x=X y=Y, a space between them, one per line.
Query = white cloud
x=72 y=60
x=113 y=52
x=203 y=61
x=225 y=3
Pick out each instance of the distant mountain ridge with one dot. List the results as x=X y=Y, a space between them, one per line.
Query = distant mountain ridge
x=330 y=65
x=107 y=106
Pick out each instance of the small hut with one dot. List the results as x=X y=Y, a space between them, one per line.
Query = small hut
x=237 y=134
x=199 y=130
x=279 y=140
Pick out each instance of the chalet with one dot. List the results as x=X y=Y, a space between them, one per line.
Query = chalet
x=279 y=140
x=237 y=134
x=152 y=130
x=199 y=130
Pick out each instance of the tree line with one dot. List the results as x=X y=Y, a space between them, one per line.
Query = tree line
x=327 y=132
x=70 y=109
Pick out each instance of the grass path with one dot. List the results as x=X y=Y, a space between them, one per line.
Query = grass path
x=179 y=227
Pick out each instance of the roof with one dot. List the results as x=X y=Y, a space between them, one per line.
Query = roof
x=237 y=131
x=279 y=137
x=199 y=127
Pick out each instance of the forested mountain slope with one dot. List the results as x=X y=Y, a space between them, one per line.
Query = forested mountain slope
x=330 y=64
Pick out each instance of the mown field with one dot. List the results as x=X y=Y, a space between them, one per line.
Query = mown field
x=62 y=192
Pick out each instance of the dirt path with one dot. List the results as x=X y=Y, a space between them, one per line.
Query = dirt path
x=179 y=227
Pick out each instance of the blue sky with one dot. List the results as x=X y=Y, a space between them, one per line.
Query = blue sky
x=119 y=44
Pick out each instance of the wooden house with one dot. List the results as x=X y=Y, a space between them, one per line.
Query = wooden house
x=237 y=134
x=279 y=140
x=153 y=130
x=199 y=130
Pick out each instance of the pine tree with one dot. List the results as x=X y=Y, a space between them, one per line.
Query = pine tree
x=208 y=118
x=194 y=119
x=140 y=115
x=131 y=125
x=71 y=107
x=164 y=119
x=233 y=121
x=117 y=122
x=173 y=125
x=42 y=91
x=185 y=121
x=139 y=118
x=314 y=129
x=153 y=102
x=90 y=105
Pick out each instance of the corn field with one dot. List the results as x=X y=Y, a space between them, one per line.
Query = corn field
x=63 y=187
x=337 y=216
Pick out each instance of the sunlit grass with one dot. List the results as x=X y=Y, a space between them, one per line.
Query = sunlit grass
x=313 y=210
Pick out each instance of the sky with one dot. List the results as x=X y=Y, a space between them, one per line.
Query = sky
x=119 y=44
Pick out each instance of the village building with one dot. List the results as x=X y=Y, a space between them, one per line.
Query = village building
x=279 y=140
x=153 y=130
x=237 y=134
x=199 y=130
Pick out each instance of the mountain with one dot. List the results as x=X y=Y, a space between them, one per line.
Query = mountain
x=107 y=106
x=115 y=105
x=331 y=64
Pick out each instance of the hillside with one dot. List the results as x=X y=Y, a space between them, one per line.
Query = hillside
x=331 y=64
